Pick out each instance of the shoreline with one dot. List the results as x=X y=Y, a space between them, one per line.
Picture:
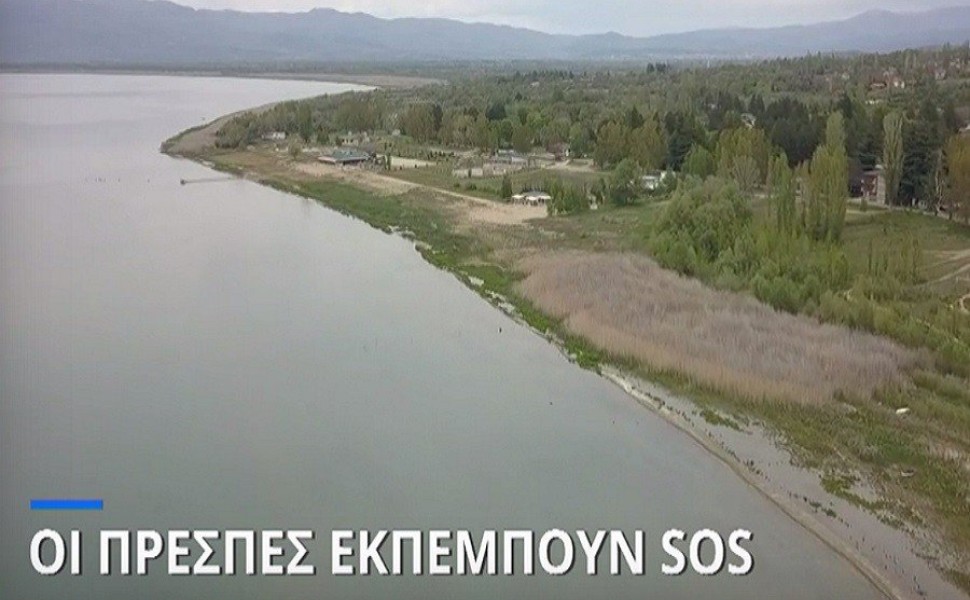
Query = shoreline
x=659 y=401
x=656 y=405
x=377 y=80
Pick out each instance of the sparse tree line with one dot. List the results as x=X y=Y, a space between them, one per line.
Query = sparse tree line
x=727 y=121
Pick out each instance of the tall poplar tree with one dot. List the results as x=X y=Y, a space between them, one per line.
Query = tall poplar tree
x=892 y=154
x=829 y=183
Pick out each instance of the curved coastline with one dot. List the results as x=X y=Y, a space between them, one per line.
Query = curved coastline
x=672 y=408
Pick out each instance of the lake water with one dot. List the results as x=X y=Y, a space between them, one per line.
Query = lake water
x=221 y=355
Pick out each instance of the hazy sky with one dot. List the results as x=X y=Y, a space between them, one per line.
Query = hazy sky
x=633 y=17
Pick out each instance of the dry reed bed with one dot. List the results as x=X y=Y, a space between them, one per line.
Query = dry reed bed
x=629 y=306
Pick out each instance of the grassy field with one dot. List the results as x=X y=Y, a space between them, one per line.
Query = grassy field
x=831 y=392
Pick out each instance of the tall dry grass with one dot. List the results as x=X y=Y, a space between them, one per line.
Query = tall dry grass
x=629 y=306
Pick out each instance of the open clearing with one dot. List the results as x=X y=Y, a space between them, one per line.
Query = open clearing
x=471 y=210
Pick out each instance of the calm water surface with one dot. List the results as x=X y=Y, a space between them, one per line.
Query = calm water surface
x=220 y=355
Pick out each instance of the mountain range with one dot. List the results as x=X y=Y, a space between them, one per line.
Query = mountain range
x=162 y=33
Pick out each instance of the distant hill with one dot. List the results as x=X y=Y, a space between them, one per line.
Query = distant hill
x=159 y=33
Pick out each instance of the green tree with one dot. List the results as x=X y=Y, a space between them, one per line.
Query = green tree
x=418 y=121
x=304 y=123
x=624 y=183
x=683 y=133
x=742 y=155
x=892 y=154
x=744 y=171
x=567 y=199
x=496 y=112
x=647 y=145
x=580 y=140
x=484 y=135
x=922 y=138
x=634 y=120
x=781 y=190
x=522 y=138
x=958 y=177
x=506 y=191
x=700 y=163
x=702 y=222
x=828 y=185
x=611 y=144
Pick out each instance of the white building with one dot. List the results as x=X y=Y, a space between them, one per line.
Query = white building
x=532 y=198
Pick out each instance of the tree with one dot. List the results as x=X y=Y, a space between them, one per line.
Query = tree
x=567 y=199
x=917 y=163
x=702 y=222
x=683 y=132
x=634 y=120
x=951 y=120
x=357 y=113
x=485 y=137
x=611 y=144
x=756 y=106
x=647 y=146
x=781 y=191
x=506 y=191
x=892 y=154
x=304 y=123
x=791 y=127
x=742 y=155
x=828 y=184
x=522 y=138
x=623 y=184
x=496 y=112
x=700 y=163
x=744 y=171
x=958 y=177
x=580 y=140
x=418 y=121
x=835 y=137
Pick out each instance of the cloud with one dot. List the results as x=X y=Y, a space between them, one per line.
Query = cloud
x=632 y=17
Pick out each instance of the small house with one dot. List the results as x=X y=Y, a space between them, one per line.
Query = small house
x=653 y=181
x=510 y=157
x=874 y=185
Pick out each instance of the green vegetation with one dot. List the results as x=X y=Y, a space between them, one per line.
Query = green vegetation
x=766 y=157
